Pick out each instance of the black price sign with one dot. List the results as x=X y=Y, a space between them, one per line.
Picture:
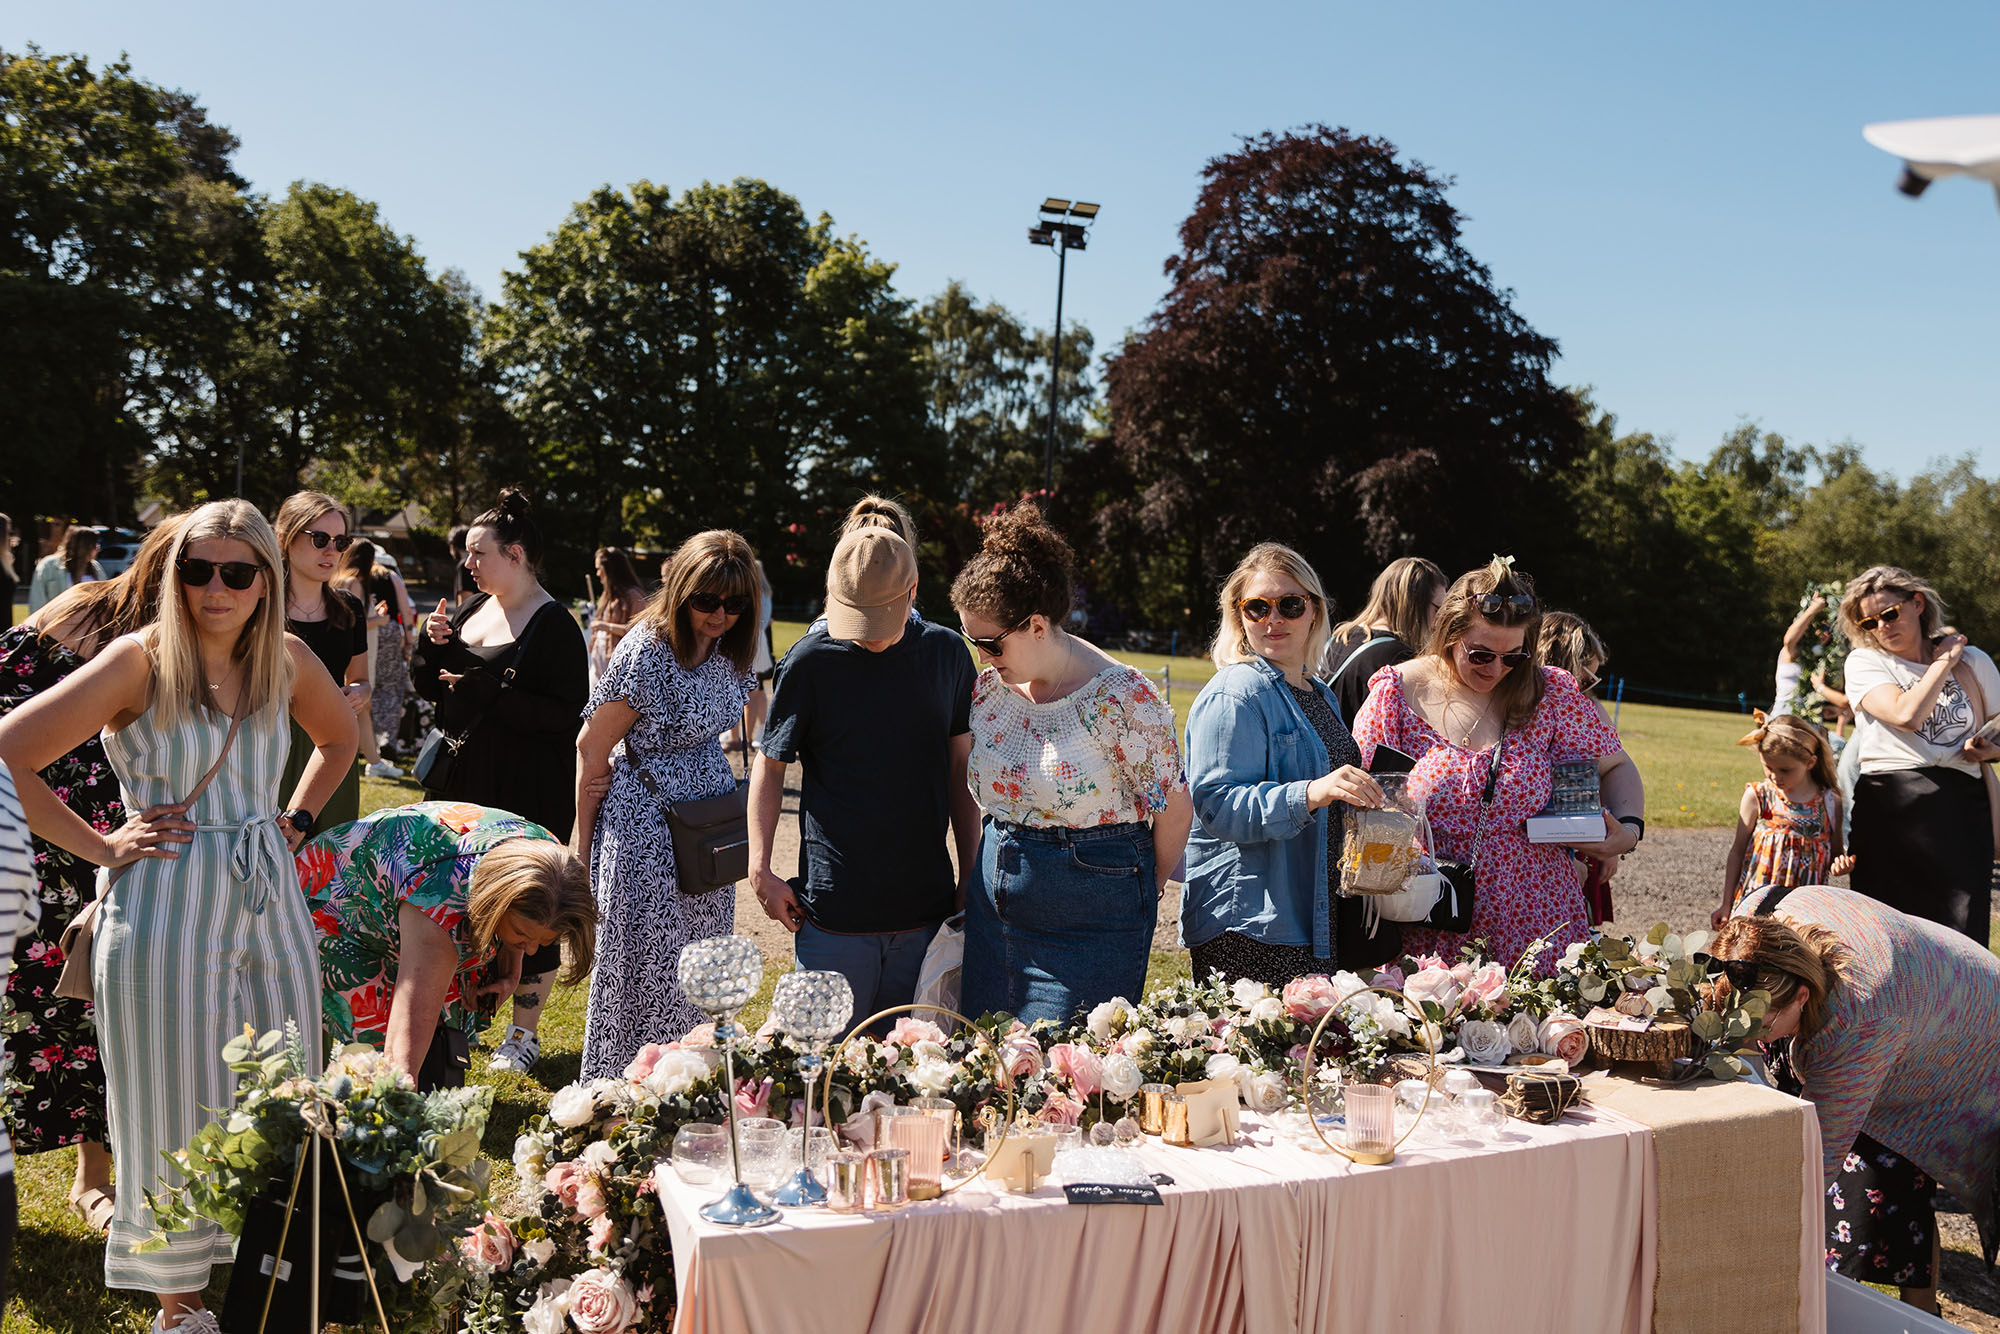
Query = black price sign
x=1092 y=1192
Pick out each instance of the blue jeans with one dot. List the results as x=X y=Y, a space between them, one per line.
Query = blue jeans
x=882 y=969
x=1061 y=920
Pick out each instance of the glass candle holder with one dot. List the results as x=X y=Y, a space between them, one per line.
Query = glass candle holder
x=701 y=1153
x=889 y=1178
x=1174 y=1121
x=813 y=1147
x=847 y=1182
x=1371 y=1122
x=1067 y=1137
x=1153 y=1107
x=1481 y=1113
x=922 y=1137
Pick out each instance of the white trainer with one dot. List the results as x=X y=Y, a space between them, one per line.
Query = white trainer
x=518 y=1051
x=383 y=769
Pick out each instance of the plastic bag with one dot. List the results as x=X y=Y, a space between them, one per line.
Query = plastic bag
x=938 y=977
x=1379 y=848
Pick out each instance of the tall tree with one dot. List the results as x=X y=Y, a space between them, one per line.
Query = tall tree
x=1332 y=368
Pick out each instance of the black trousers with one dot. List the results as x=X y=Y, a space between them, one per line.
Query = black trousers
x=1922 y=841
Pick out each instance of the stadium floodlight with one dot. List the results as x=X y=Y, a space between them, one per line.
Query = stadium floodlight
x=1934 y=149
x=1062 y=236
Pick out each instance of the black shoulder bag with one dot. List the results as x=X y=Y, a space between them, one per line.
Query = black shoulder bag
x=439 y=756
x=1453 y=911
x=711 y=834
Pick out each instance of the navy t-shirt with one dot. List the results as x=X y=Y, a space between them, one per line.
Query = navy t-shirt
x=873 y=732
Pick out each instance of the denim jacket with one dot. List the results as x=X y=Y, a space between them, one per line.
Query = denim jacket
x=1257 y=856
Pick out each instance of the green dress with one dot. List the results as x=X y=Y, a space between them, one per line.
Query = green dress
x=357 y=876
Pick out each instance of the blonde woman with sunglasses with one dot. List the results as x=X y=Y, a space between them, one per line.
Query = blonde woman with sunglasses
x=202 y=928
x=1922 y=826
x=1485 y=722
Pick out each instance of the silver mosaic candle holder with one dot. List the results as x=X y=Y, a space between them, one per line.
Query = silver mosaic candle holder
x=719 y=976
x=811 y=1008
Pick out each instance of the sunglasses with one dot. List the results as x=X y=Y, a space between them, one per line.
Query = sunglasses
x=991 y=647
x=1742 y=973
x=1884 y=617
x=236 y=574
x=1484 y=656
x=1492 y=604
x=320 y=540
x=709 y=603
x=1291 y=607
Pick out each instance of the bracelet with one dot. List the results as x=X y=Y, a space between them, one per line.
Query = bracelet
x=1637 y=823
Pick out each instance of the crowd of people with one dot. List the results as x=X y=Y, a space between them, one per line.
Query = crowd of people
x=184 y=744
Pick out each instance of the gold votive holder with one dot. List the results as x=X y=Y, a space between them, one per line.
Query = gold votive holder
x=890 y=1169
x=847 y=1182
x=1153 y=1107
x=1174 y=1126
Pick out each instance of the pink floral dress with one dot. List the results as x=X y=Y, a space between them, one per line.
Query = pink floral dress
x=1524 y=889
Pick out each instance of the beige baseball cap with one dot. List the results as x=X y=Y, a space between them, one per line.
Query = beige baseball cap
x=868 y=585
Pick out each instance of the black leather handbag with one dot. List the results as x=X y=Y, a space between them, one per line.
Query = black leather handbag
x=711 y=834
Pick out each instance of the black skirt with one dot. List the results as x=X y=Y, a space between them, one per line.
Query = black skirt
x=1922 y=841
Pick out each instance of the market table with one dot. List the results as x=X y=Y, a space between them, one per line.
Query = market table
x=1551 y=1229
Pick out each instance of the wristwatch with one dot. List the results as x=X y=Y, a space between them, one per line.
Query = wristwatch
x=300 y=819
x=1638 y=826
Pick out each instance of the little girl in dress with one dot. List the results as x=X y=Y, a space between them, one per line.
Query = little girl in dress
x=1788 y=826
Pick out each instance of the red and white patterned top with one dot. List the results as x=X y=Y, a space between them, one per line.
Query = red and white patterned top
x=1524 y=889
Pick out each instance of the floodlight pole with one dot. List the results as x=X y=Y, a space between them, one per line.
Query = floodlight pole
x=1055 y=363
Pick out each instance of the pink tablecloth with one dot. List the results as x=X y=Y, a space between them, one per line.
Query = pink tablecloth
x=1551 y=1231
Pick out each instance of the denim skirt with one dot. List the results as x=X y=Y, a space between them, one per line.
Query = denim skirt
x=1060 y=921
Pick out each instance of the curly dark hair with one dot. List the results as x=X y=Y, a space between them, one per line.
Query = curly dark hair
x=1024 y=567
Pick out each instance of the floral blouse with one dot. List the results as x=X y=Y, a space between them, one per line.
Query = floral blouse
x=358 y=875
x=1104 y=754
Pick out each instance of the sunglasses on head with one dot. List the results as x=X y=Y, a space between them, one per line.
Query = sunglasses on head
x=1291 y=607
x=320 y=540
x=1484 y=656
x=1883 y=617
x=1492 y=604
x=991 y=646
x=1742 y=973
x=710 y=603
x=197 y=573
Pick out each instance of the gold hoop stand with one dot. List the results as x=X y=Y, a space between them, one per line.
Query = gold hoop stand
x=826 y=1089
x=1306 y=1078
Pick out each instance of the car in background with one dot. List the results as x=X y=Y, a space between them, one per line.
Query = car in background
x=115 y=549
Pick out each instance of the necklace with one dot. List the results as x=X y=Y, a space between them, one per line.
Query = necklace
x=1446 y=702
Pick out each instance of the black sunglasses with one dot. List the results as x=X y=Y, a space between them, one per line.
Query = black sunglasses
x=198 y=573
x=1742 y=973
x=991 y=647
x=319 y=540
x=708 y=603
x=1483 y=656
x=1492 y=604
x=1291 y=607
x=1884 y=617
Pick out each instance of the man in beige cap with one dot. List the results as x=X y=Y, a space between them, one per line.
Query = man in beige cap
x=875 y=704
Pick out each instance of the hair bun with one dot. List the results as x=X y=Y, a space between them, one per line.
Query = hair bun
x=513 y=502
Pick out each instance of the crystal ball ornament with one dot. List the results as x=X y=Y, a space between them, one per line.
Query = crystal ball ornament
x=811 y=1008
x=719 y=975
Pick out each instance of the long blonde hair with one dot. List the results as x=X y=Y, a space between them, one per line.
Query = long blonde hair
x=1231 y=643
x=546 y=885
x=180 y=682
x=881 y=512
x=104 y=609
x=1400 y=598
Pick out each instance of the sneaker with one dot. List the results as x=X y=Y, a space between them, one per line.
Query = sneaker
x=517 y=1052
x=383 y=769
x=198 y=1321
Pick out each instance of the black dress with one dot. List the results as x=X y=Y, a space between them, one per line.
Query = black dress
x=335 y=646
x=519 y=753
x=1347 y=667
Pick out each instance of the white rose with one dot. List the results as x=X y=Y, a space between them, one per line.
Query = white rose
x=1485 y=1041
x=531 y=1154
x=598 y=1158
x=1267 y=1009
x=930 y=1051
x=1108 y=1020
x=1521 y=1032
x=540 y=1251
x=549 y=1313
x=1139 y=1041
x=1178 y=1028
x=932 y=1078
x=1436 y=985
x=1267 y=1092
x=1574 y=953
x=1121 y=1077
x=1345 y=984
x=572 y=1106
x=1222 y=1066
x=677 y=1072
x=1248 y=992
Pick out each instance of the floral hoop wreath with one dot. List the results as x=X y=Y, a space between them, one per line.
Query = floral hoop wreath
x=1006 y=1122
x=1306 y=1077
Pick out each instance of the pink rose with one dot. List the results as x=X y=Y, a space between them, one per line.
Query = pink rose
x=701 y=1035
x=1423 y=961
x=909 y=1031
x=1487 y=986
x=753 y=1098
x=600 y=1302
x=1307 y=998
x=1390 y=977
x=1563 y=1035
x=642 y=1064
x=1020 y=1057
x=590 y=1198
x=1435 y=985
x=1061 y=1111
x=564 y=1180
x=1079 y=1065
x=490 y=1246
x=603 y=1234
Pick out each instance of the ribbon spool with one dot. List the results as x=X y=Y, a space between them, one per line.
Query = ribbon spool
x=1306 y=1078
x=826 y=1089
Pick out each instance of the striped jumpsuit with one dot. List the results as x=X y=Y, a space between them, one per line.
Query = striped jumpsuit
x=188 y=951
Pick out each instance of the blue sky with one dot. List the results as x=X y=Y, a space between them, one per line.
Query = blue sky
x=1679 y=194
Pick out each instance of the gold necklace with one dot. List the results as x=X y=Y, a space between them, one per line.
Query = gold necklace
x=1445 y=701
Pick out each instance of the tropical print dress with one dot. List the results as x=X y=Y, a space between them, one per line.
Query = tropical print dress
x=60 y=1098
x=357 y=876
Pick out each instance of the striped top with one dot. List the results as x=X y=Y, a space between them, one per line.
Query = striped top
x=1909 y=1049
x=20 y=900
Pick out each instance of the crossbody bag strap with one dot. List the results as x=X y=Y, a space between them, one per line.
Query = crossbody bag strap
x=507 y=676
x=235 y=724
x=1348 y=661
x=1486 y=799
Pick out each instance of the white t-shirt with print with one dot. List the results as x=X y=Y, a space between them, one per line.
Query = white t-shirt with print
x=1936 y=739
